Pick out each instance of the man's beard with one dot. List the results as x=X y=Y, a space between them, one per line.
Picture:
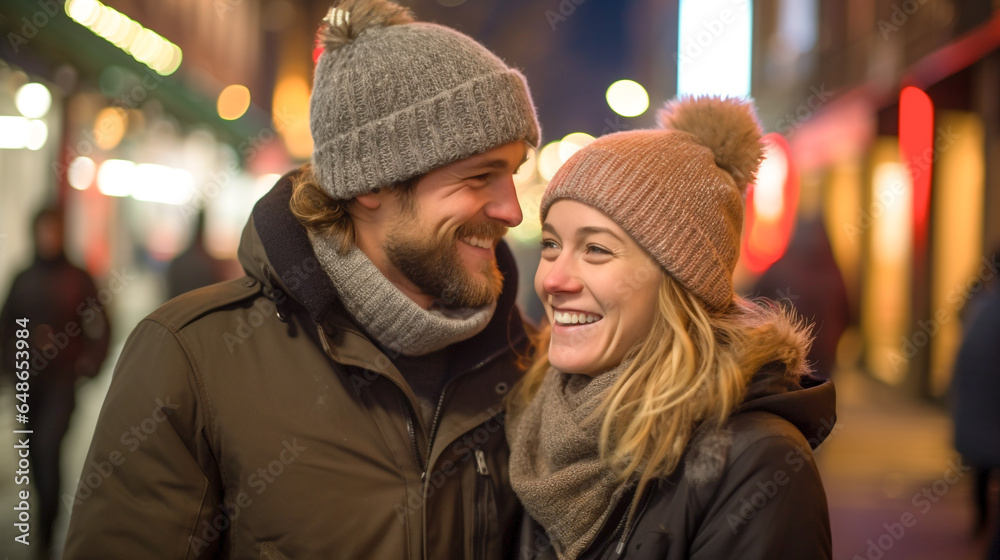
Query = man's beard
x=435 y=267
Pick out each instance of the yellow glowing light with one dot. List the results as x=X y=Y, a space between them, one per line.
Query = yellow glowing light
x=526 y=173
x=290 y=114
x=571 y=143
x=13 y=132
x=233 y=102
x=38 y=133
x=628 y=98
x=33 y=100
x=144 y=45
x=110 y=126
x=116 y=177
x=548 y=160
x=893 y=192
x=169 y=58
x=84 y=11
x=159 y=183
x=17 y=133
x=81 y=173
x=768 y=192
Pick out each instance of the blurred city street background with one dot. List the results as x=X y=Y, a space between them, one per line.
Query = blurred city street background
x=155 y=126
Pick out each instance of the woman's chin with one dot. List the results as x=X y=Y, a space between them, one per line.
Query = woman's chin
x=574 y=361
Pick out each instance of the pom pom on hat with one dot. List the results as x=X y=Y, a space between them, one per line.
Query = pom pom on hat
x=727 y=127
x=347 y=19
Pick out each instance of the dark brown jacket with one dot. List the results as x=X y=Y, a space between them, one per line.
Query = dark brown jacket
x=750 y=491
x=253 y=419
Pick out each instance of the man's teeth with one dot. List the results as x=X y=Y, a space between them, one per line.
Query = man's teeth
x=570 y=318
x=476 y=242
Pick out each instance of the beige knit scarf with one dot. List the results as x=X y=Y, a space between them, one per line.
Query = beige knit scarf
x=555 y=465
x=395 y=321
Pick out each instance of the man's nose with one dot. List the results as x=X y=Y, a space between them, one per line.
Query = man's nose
x=504 y=206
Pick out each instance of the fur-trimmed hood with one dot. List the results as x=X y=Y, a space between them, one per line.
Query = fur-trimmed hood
x=785 y=387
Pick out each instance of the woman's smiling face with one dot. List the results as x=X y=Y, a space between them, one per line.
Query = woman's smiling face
x=599 y=288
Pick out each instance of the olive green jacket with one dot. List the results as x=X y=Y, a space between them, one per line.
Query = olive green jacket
x=254 y=419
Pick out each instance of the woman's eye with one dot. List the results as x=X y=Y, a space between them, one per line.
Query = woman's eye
x=548 y=244
x=598 y=250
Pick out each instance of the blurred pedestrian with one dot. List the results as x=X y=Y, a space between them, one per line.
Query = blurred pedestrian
x=195 y=267
x=69 y=338
x=975 y=392
x=808 y=279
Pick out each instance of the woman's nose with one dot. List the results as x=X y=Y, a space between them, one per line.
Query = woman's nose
x=561 y=276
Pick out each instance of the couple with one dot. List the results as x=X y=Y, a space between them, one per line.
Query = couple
x=360 y=393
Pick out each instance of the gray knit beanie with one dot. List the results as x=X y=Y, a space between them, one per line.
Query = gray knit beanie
x=678 y=191
x=393 y=99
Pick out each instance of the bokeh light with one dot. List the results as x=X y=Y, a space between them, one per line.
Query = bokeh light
x=233 y=102
x=572 y=143
x=110 y=126
x=33 y=100
x=81 y=173
x=628 y=98
x=548 y=160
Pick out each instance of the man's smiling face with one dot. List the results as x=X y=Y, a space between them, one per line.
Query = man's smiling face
x=446 y=228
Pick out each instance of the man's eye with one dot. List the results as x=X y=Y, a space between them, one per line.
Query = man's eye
x=480 y=177
x=548 y=244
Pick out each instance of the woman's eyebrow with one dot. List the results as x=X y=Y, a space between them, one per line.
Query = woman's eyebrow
x=590 y=230
x=583 y=231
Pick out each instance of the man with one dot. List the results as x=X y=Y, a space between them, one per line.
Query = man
x=344 y=399
x=67 y=341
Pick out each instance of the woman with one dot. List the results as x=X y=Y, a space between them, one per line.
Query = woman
x=665 y=417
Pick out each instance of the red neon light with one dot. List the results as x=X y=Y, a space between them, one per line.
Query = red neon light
x=916 y=150
x=765 y=240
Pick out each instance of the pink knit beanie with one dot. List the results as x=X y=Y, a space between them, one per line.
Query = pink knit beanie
x=678 y=191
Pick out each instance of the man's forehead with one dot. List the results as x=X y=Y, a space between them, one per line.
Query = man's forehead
x=497 y=157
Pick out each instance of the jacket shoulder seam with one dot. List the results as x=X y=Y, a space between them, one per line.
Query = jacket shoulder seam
x=749 y=443
x=186 y=308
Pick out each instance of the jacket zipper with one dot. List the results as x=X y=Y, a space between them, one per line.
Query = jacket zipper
x=482 y=519
x=412 y=431
x=437 y=411
x=423 y=463
x=620 y=547
x=611 y=539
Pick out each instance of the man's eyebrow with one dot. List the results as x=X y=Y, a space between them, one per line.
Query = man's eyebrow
x=488 y=164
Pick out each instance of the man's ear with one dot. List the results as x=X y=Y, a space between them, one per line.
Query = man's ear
x=371 y=201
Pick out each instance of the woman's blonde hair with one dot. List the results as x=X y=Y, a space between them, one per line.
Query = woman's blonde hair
x=692 y=368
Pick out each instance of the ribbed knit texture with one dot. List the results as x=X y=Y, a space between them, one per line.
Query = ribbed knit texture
x=555 y=464
x=667 y=190
x=395 y=321
x=402 y=100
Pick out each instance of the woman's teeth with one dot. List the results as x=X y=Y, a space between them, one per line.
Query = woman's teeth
x=571 y=318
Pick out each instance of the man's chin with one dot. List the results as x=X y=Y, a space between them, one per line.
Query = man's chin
x=477 y=289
